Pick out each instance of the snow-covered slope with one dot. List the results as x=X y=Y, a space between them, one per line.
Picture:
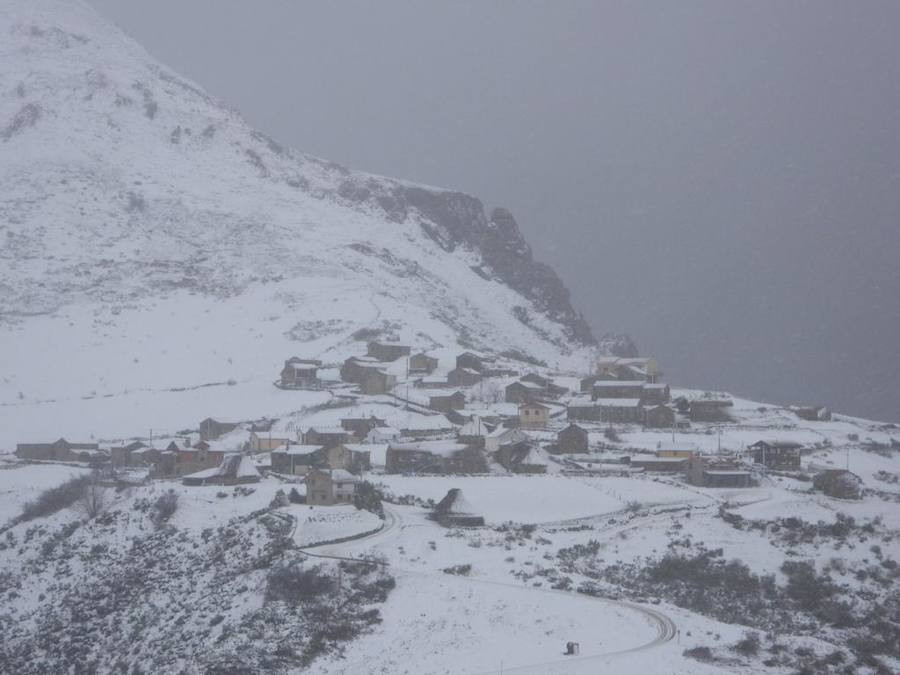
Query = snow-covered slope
x=135 y=210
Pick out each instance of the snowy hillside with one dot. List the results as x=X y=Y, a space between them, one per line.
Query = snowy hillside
x=152 y=239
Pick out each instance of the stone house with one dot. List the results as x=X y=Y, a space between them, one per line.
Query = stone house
x=376 y=382
x=533 y=415
x=620 y=410
x=121 y=455
x=357 y=368
x=717 y=473
x=444 y=457
x=657 y=464
x=655 y=393
x=297 y=459
x=618 y=389
x=583 y=410
x=587 y=383
x=472 y=361
x=361 y=426
x=351 y=457
x=265 y=442
x=778 y=454
x=659 y=417
x=445 y=401
x=549 y=387
x=422 y=363
x=58 y=451
x=463 y=377
x=387 y=351
x=300 y=374
x=839 y=483
x=202 y=455
x=572 y=439
x=326 y=436
x=520 y=392
x=211 y=429
x=234 y=469
x=327 y=487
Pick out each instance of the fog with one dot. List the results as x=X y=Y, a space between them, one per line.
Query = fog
x=718 y=180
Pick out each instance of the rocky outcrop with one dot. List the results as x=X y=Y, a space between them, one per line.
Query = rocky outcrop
x=454 y=219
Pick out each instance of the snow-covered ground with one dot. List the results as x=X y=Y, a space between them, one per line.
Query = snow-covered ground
x=21 y=484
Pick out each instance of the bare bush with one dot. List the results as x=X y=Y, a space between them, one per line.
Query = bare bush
x=94 y=497
x=164 y=508
x=55 y=499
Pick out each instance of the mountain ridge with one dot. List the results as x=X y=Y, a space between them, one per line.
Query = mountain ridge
x=74 y=76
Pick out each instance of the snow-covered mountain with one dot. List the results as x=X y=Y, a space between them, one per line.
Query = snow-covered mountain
x=151 y=238
x=123 y=180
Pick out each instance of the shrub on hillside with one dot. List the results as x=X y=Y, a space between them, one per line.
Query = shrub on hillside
x=55 y=499
x=295 y=584
x=164 y=508
x=368 y=498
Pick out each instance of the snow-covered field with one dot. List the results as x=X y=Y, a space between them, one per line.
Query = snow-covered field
x=317 y=524
x=21 y=484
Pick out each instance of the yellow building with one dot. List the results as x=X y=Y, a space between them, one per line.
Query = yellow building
x=533 y=415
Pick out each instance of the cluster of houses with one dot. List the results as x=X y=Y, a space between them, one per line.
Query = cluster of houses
x=540 y=417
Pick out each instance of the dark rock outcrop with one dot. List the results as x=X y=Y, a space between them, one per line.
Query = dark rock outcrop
x=454 y=219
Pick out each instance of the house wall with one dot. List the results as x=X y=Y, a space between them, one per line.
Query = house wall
x=533 y=417
x=659 y=417
x=319 y=489
x=624 y=391
x=445 y=404
x=469 y=361
x=461 y=378
x=572 y=440
x=626 y=415
x=423 y=364
x=387 y=352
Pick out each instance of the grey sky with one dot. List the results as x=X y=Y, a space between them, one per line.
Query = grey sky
x=721 y=180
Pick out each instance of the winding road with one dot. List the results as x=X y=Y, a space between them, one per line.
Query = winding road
x=396 y=523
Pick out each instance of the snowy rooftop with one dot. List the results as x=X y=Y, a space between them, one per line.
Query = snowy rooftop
x=618 y=402
x=432 y=393
x=441 y=448
x=474 y=427
x=529 y=385
x=297 y=449
x=422 y=422
x=327 y=430
x=344 y=476
x=600 y=384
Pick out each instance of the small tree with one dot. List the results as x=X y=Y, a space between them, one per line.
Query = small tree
x=94 y=497
x=164 y=508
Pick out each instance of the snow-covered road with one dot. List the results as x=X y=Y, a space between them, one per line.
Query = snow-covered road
x=401 y=522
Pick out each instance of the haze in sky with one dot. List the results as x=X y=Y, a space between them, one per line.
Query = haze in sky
x=720 y=180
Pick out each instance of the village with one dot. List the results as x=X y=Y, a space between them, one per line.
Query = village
x=395 y=411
